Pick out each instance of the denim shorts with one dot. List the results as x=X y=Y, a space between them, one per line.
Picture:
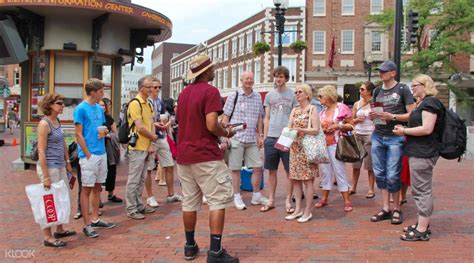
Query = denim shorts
x=387 y=152
x=273 y=156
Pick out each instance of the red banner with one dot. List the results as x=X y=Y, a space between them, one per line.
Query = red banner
x=332 y=52
x=50 y=208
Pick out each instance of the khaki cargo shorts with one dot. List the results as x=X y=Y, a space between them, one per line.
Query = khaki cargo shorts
x=210 y=179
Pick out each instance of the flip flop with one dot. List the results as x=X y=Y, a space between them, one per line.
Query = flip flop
x=266 y=208
x=371 y=195
x=403 y=201
x=290 y=210
x=352 y=192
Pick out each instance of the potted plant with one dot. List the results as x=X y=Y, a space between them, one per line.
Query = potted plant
x=298 y=46
x=260 y=48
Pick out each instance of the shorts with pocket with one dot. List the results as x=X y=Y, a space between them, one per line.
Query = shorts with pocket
x=94 y=170
x=247 y=152
x=210 y=179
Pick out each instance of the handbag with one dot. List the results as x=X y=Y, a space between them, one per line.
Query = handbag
x=285 y=140
x=314 y=146
x=349 y=149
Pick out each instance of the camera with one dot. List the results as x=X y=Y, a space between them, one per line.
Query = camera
x=133 y=138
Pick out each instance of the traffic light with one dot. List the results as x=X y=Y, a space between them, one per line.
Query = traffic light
x=413 y=25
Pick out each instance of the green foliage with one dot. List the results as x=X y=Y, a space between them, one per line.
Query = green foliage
x=260 y=48
x=298 y=46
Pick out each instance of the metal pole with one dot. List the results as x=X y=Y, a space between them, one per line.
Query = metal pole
x=370 y=70
x=398 y=36
x=280 y=48
x=280 y=25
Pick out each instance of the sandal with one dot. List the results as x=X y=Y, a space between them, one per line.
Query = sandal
x=66 y=233
x=352 y=192
x=78 y=215
x=413 y=227
x=381 y=215
x=370 y=195
x=403 y=201
x=347 y=207
x=55 y=243
x=397 y=220
x=321 y=204
x=267 y=208
x=415 y=235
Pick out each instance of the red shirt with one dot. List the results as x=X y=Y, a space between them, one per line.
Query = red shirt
x=195 y=143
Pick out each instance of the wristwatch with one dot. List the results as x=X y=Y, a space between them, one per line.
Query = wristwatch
x=394 y=117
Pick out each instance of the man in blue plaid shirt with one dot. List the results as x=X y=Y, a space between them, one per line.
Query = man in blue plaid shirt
x=246 y=144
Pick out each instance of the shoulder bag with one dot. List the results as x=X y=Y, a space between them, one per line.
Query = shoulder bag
x=314 y=146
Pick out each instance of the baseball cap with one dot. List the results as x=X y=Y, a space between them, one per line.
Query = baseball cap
x=387 y=65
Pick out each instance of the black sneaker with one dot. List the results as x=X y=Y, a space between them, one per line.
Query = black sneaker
x=89 y=232
x=102 y=224
x=114 y=199
x=221 y=256
x=191 y=251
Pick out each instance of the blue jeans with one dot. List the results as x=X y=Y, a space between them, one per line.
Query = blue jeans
x=387 y=152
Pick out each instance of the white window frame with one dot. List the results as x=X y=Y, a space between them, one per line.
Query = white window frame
x=372 y=12
x=343 y=3
x=240 y=71
x=233 y=77
x=324 y=8
x=241 y=44
x=225 y=76
x=324 y=42
x=342 y=42
x=293 y=36
x=256 y=69
x=234 y=47
x=258 y=35
x=249 y=41
x=226 y=50
x=372 y=42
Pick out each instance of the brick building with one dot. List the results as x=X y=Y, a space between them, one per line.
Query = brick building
x=233 y=54
x=160 y=61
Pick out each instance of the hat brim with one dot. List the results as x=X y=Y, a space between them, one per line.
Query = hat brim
x=190 y=75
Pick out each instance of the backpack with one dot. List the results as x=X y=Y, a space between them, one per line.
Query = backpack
x=124 y=128
x=453 y=136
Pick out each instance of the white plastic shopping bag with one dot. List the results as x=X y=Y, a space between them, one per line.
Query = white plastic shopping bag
x=51 y=207
x=286 y=139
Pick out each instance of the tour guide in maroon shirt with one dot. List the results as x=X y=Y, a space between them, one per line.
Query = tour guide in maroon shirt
x=201 y=168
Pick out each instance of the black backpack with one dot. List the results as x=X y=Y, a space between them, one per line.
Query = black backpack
x=124 y=128
x=453 y=136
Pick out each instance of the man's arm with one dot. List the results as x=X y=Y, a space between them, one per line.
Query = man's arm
x=215 y=128
x=266 y=122
x=142 y=130
x=399 y=117
x=81 y=141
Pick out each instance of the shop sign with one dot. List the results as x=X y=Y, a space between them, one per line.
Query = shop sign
x=31 y=136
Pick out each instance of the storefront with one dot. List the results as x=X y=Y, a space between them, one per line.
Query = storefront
x=70 y=41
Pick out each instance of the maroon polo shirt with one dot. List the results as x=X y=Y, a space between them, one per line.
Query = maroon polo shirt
x=195 y=143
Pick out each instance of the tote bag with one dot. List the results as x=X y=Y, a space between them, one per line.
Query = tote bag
x=349 y=149
x=314 y=146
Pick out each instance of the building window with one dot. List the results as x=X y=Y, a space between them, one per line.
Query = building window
x=241 y=45
x=376 y=6
x=319 y=42
x=290 y=64
x=319 y=7
x=249 y=41
x=347 y=42
x=234 y=47
x=241 y=69
x=219 y=79
x=347 y=7
x=234 y=77
x=257 y=72
x=288 y=37
x=226 y=51
x=258 y=35
x=219 y=51
x=224 y=79
x=376 y=42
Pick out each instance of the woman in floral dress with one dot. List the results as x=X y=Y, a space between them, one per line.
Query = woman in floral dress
x=301 y=171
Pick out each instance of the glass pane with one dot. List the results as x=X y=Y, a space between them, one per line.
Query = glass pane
x=73 y=98
x=37 y=93
x=69 y=69
x=39 y=68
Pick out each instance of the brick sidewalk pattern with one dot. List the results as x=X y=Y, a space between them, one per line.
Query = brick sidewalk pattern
x=332 y=234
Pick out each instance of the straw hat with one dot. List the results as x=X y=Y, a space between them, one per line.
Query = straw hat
x=198 y=65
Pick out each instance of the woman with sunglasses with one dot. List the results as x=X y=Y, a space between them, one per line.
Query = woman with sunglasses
x=53 y=160
x=333 y=122
x=363 y=128
x=422 y=147
x=301 y=171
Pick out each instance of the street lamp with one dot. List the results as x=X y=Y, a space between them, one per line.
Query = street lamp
x=369 y=61
x=280 y=8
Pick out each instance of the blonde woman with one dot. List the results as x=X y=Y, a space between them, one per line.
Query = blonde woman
x=422 y=146
x=53 y=159
x=301 y=171
x=332 y=122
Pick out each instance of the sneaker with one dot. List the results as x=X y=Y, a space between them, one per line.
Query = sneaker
x=89 y=231
x=114 y=199
x=262 y=200
x=136 y=216
x=174 y=198
x=191 y=251
x=146 y=210
x=239 y=204
x=221 y=256
x=151 y=201
x=102 y=224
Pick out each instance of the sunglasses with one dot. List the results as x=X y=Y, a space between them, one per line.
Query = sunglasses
x=362 y=89
x=60 y=103
x=157 y=87
x=298 y=92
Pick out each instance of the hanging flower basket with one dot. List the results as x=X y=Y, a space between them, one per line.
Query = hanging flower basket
x=260 y=48
x=298 y=46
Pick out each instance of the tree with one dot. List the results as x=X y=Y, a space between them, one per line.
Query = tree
x=450 y=20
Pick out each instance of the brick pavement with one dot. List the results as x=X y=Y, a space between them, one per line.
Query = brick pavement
x=332 y=235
